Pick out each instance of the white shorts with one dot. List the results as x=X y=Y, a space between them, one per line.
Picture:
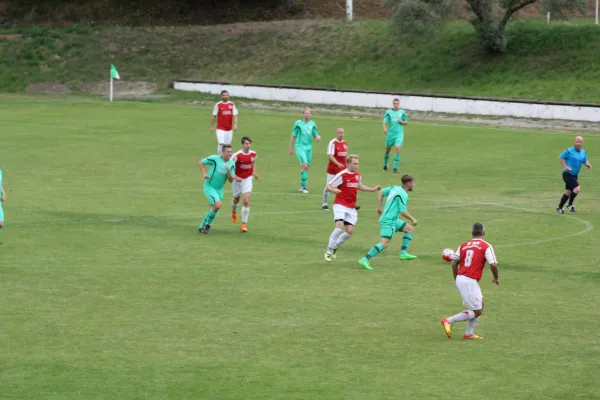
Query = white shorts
x=470 y=291
x=245 y=186
x=224 y=137
x=329 y=178
x=344 y=213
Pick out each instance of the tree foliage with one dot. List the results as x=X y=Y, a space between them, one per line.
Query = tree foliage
x=415 y=18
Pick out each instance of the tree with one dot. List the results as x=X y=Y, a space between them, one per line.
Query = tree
x=489 y=17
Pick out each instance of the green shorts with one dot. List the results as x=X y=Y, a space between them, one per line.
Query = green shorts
x=394 y=140
x=388 y=229
x=304 y=155
x=213 y=195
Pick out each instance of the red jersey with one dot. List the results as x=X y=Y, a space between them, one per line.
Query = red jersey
x=472 y=256
x=348 y=183
x=224 y=113
x=244 y=163
x=338 y=150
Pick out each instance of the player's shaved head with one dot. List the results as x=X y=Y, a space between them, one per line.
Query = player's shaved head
x=478 y=229
x=339 y=133
x=578 y=142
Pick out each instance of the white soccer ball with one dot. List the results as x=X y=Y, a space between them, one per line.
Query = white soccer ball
x=447 y=254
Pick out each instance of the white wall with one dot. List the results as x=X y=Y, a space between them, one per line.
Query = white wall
x=416 y=103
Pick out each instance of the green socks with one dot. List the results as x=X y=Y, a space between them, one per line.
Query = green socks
x=406 y=242
x=396 y=161
x=303 y=179
x=386 y=158
x=378 y=248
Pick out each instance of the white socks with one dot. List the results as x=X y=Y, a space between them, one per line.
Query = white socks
x=343 y=237
x=220 y=149
x=471 y=326
x=325 y=196
x=333 y=238
x=463 y=316
x=245 y=214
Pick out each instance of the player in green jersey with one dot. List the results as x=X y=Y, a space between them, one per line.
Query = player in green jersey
x=393 y=127
x=303 y=132
x=221 y=170
x=396 y=203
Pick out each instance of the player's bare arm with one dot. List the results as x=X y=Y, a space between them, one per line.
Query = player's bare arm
x=588 y=165
x=318 y=138
x=212 y=124
x=494 y=268
x=331 y=189
x=407 y=215
x=333 y=160
x=203 y=169
x=369 y=189
x=385 y=128
x=455 y=268
x=255 y=174
x=235 y=120
x=564 y=164
x=291 y=148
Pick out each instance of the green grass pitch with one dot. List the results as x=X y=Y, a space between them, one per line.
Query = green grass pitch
x=108 y=291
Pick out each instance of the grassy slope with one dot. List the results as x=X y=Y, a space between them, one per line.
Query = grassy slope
x=548 y=63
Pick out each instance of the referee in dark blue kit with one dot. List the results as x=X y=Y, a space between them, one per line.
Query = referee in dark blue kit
x=571 y=160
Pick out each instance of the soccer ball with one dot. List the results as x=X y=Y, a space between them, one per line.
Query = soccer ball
x=447 y=254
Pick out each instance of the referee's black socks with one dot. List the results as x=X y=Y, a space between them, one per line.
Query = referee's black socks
x=563 y=200
x=572 y=198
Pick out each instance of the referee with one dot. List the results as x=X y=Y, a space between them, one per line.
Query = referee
x=571 y=160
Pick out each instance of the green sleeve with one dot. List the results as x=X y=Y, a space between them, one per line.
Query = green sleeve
x=404 y=117
x=315 y=131
x=386 y=191
x=232 y=168
x=295 y=129
x=386 y=117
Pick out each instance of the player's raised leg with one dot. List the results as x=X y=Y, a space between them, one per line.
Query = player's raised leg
x=345 y=220
x=374 y=251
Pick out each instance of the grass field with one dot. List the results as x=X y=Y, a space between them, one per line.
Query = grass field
x=556 y=62
x=108 y=291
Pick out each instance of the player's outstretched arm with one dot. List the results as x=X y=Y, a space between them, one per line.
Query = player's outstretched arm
x=494 y=268
x=369 y=189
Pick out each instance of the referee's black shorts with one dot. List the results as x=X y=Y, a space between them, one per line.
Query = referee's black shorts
x=570 y=180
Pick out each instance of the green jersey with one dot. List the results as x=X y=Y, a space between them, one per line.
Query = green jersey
x=397 y=202
x=304 y=132
x=217 y=175
x=391 y=118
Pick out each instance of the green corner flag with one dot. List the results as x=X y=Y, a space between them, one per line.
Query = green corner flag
x=113 y=72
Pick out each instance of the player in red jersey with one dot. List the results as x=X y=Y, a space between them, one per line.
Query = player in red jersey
x=337 y=150
x=471 y=257
x=345 y=185
x=245 y=162
x=225 y=113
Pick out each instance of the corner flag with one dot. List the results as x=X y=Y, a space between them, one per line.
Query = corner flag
x=113 y=75
x=113 y=72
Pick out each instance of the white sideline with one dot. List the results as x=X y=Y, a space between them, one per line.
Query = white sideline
x=447 y=105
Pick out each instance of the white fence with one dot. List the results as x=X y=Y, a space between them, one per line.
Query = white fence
x=438 y=104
